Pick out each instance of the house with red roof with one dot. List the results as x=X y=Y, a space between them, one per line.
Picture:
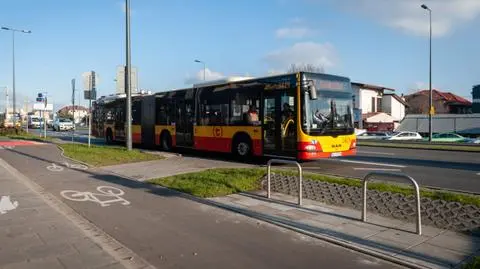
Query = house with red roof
x=443 y=102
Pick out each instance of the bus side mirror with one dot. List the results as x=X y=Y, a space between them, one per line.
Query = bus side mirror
x=312 y=91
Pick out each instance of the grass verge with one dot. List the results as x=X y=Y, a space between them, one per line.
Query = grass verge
x=473 y=264
x=420 y=146
x=106 y=155
x=214 y=182
x=219 y=182
x=21 y=134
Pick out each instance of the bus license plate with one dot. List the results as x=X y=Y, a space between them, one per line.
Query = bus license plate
x=336 y=154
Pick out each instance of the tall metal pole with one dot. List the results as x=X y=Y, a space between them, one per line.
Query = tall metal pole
x=128 y=70
x=204 y=70
x=430 y=114
x=73 y=105
x=13 y=74
x=431 y=110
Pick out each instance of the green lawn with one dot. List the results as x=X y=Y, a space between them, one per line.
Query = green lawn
x=453 y=147
x=106 y=155
x=474 y=264
x=214 y=182
x=219 y=182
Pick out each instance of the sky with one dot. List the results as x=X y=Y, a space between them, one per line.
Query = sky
x=380 y=42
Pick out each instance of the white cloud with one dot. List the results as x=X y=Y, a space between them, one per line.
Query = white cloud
x=408 y=16
x=302 y=53
x=294 y=32
x=198 y=77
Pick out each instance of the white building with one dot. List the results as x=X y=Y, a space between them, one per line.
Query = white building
x=80 y=112
x=371 y=100
x=394 y=105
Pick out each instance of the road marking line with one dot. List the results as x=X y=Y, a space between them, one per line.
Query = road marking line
x=376 y=152
x=370 y=163
x=6 y=204
x=376 y=169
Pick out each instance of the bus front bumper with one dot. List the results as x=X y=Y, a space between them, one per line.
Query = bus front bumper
x=313 y=155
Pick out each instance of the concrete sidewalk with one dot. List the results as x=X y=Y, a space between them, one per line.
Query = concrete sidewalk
x=168 y=167
x=36 y=233
x=385 y=238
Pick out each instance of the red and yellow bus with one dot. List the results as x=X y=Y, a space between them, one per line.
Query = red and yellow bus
x=302 y=116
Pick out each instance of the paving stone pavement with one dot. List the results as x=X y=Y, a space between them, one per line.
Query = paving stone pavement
x=35 y=235
x=439 y=213
x=435 y=248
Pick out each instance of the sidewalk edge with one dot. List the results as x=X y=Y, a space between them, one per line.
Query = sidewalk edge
x=117 y=250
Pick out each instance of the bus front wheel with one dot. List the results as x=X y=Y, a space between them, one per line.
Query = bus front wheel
x=242 y=147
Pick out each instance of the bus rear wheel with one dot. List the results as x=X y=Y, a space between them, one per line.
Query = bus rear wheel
x=242 y=147
x=166 y=141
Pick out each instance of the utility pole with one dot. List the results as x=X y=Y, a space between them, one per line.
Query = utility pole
x=128 y=70
x=431 y=109
x=73 y=106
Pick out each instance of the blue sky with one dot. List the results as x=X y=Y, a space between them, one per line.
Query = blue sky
x=372 y=41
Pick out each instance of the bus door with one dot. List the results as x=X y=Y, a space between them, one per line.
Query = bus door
x=184 y=119
x=279 y=123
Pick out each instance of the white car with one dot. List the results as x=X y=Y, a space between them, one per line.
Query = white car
x=405 y=136
x=63 y=125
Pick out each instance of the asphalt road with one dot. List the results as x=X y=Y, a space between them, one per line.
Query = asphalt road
x=452 y=170
x=171 y=230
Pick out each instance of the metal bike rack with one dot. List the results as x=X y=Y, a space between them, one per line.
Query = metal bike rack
x=300 y=175
x=397 y=175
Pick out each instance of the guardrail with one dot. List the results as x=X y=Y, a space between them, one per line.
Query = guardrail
x=300 y=176
x=397 y=175
x=416 y=142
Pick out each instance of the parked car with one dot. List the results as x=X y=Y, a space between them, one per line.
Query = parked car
x=49 y=123
x=449 y=137
x=373 y=136
x=61 y=124
x=405 y=136
x=34 y=122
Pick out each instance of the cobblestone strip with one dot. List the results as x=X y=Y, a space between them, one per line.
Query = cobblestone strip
x=439 y=213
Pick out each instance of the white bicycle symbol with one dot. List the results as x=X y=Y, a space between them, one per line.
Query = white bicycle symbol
x=7 y=147
x=57 y=168
x=103 y=191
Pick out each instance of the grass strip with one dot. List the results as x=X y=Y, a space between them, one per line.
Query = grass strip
x=219 y=182
x=473 y=264
x=106 y=155
x=214 y=182
x=420 y=146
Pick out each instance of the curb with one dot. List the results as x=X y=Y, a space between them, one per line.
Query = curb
x=71 y=159
x=110 y=245
x=413 y=147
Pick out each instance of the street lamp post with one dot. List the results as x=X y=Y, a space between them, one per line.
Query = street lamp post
x=431 y=109
x=204 y=68
x=128 y=70
x=13 y=61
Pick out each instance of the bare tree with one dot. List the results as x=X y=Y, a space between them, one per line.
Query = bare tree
x=306 y=68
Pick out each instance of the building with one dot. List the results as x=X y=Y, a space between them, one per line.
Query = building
x=443 y=102
x=80 y=112
x=476 y=99
x=376 y=107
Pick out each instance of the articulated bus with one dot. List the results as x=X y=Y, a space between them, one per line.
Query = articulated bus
x=302 y=116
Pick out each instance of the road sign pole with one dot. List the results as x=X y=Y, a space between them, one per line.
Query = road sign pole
x=45 y=117
x=73 y=105
x=128 y=70
x=89 y=120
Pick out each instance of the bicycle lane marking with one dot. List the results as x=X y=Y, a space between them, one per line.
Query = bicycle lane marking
x=102 y=192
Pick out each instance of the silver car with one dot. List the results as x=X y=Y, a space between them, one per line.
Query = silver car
x=61 y=124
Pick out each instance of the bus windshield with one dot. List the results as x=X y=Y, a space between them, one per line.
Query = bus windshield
x=329 y=114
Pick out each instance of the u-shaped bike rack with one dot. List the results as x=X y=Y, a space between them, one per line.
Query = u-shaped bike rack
x=300 y=175
x=397 y=175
